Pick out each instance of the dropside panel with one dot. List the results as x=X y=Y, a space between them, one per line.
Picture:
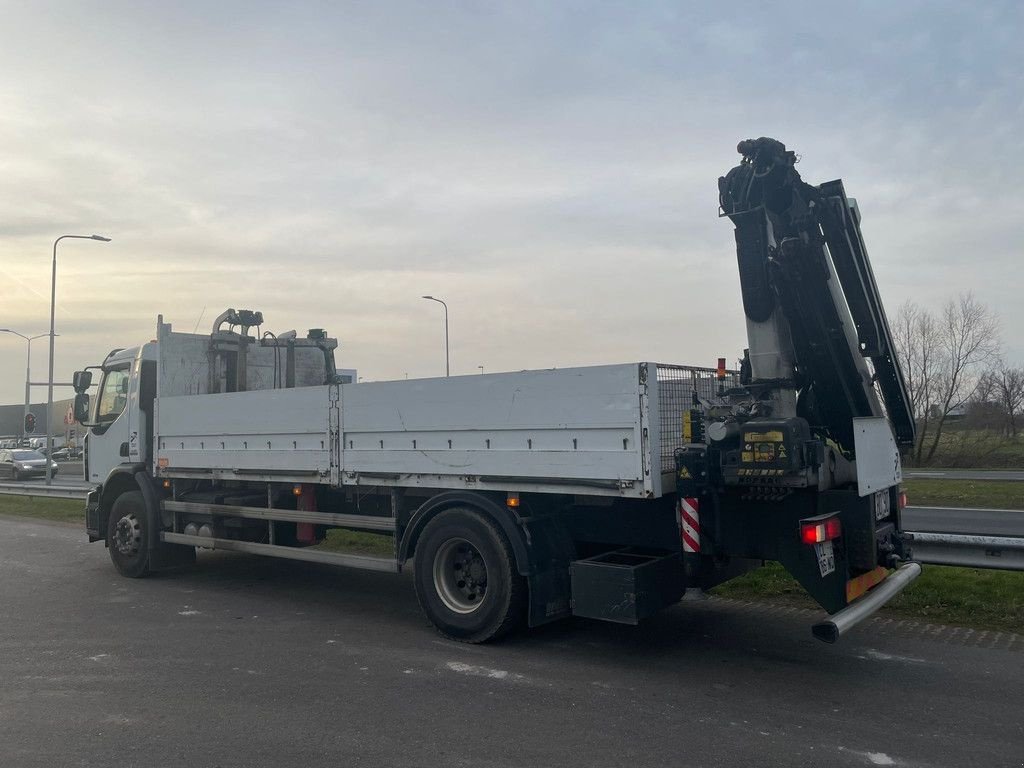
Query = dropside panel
x=577 y=424
x=283 y=433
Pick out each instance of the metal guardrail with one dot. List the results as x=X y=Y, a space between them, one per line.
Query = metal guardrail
x=1000 y=552
x=48 y=491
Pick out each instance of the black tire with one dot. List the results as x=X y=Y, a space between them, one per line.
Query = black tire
x=490 y=601
x=128 y=535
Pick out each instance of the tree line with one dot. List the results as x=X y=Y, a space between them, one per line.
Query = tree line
x=955 y=371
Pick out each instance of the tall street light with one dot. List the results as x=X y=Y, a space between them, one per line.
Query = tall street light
x=447 y=360
x=28 y=372
x=49 y=380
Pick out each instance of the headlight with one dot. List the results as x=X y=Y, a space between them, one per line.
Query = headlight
x=19 y=465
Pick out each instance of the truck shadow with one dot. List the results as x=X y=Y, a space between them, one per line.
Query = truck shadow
x=723 y=630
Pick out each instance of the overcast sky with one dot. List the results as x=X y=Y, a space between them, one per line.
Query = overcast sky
x=550 y=169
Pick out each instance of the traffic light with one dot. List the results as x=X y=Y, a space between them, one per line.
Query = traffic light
x=30 y=423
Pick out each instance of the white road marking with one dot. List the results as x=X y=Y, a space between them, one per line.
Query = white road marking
x=188 y=613
x=478 y=671
x=879 y=758
x=871 y=653
x=873 y=758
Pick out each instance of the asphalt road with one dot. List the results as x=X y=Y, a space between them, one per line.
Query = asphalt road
x=979 y=522
x=966 y=474
x=243 y=661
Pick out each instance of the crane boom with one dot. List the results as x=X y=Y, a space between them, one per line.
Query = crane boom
x=814 y=315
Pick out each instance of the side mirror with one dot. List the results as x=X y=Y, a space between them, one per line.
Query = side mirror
x=81 y=381
x=81 y=406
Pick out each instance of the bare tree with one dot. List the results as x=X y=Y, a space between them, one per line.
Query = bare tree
x=1006 y=388
x=968 y=334
x=942 y=358
x=919 y=349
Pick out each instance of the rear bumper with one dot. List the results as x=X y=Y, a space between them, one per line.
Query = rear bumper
x=839 y=623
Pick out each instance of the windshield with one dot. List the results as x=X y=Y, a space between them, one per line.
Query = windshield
x=28 y=456
x=113 y=394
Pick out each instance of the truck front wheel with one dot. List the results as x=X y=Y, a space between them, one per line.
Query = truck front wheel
x=466 y=578
x=127 y=535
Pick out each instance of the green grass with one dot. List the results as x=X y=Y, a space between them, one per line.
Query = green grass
x=358 y=542
x=962 y=446
x=960 y=596
x=62 y=510
x=938 y=492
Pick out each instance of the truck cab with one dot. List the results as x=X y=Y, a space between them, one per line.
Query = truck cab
x=119 y=415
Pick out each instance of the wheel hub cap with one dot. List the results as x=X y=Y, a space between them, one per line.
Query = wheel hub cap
x=460 y=576
x=128 y=536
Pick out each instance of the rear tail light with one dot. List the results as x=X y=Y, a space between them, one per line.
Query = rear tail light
x=903 y=500
x=819 y=530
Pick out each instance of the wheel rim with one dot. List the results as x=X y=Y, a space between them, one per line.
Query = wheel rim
x=460 y=576
x=128 y=536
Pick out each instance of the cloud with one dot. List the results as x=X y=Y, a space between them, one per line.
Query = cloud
x=551 y=171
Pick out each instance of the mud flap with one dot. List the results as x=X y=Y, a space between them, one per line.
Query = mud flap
x=822 y=569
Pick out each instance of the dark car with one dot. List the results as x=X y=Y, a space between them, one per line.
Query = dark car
x=20 y=463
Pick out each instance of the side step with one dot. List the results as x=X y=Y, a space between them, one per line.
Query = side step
x=366 y=562
x=363 y=522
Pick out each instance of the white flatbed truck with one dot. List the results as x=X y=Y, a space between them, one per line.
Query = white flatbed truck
x=603 y=491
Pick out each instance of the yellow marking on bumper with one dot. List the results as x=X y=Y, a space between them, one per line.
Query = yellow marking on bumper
x=857 y=587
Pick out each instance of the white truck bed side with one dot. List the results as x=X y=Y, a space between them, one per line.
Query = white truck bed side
x=576 y=430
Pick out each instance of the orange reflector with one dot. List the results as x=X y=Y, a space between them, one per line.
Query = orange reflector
x=162 y=463
x=858 y=586
x=512 y=500
x=296 y=490
x=167 y=483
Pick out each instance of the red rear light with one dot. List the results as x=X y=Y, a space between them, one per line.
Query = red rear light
x=721 y=368
x=818 y=530
x=809 y=534
x=903 y=500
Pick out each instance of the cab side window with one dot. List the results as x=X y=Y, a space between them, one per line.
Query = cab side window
x=113 y=395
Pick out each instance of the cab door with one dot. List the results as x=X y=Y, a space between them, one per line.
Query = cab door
x=108 y=441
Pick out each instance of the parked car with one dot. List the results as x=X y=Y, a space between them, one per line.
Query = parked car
x=20 y=463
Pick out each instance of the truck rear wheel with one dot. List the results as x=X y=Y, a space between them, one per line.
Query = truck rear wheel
x=466 y=578
x=127 y=535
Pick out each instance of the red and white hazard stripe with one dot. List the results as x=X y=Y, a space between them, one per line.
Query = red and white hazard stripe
x=689 y=524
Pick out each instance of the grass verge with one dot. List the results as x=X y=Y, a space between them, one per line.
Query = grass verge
x=939 y=492
x=359 y=542
x=42 y=508
x=967 y=597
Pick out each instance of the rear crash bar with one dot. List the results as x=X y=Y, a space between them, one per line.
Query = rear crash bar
x=840 y=623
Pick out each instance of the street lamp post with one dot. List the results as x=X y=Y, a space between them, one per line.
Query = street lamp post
x=49 y=380
x=28 y=373
x=447 y=359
